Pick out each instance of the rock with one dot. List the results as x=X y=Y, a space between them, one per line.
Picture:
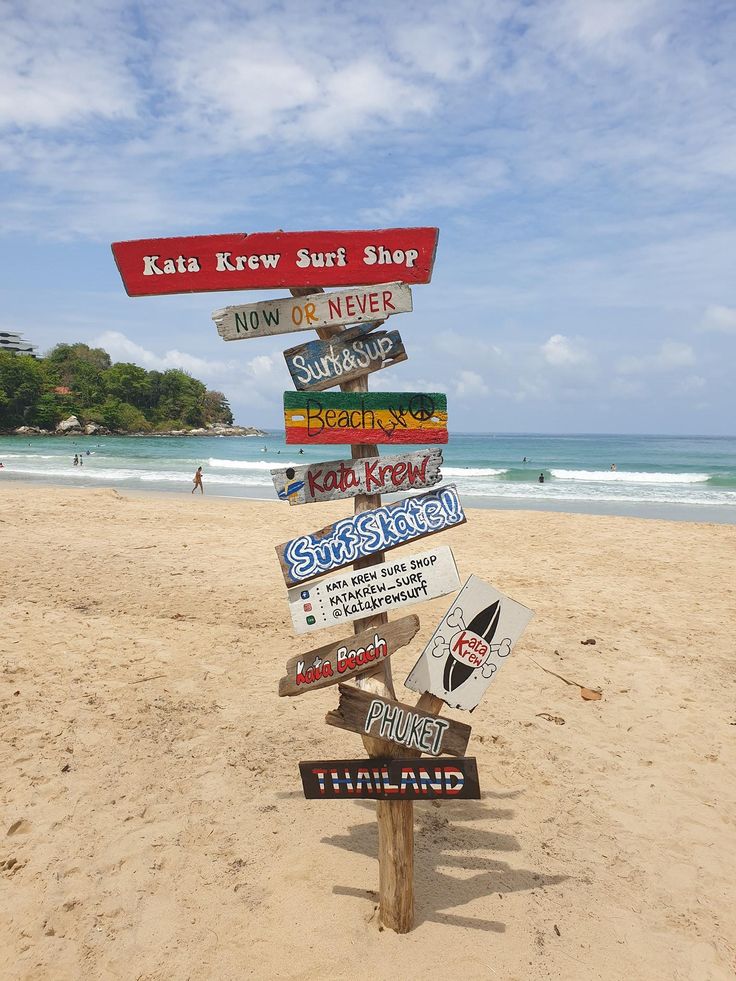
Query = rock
x=91 y=428
x=69 y=425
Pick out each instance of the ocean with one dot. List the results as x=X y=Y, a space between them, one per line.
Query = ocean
x=689 y=478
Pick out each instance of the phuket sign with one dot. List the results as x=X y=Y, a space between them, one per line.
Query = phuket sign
x=365 y=417
x=370 y=715
x=370 y=532
x=264 y=260
x=290 y=314
x=378 y=589
x=337 y=479
x=387 y=779
x=472 y=641
x=343 y=659
x=317 y=365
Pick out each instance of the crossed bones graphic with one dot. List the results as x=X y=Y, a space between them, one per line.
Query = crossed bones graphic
x=456 y=621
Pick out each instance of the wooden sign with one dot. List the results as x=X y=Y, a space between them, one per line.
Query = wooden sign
x=361 y=535
x=317 y=365
x=337 y=479
x=386 y=779
x=365 y=417
x=377 y=589
x=289 y=314
x=343 y=659
x=368 y=714
x=264 y=260
x=471 y=643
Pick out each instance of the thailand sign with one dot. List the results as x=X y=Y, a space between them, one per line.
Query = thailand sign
x=370 y=715
x=265 y=260
x=288 y=314
x=387 y=779
x=317 y=365
x=365 y=417
x=369 y=532
x=378 y=589
x=347 y=478
x=471 y=643
x=343 y=659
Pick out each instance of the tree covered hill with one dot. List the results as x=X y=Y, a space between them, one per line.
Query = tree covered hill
x=75 y=379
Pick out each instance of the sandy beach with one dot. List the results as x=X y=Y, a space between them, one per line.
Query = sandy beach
x=153 y=824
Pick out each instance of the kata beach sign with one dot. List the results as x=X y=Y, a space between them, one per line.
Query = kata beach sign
x=374 y=271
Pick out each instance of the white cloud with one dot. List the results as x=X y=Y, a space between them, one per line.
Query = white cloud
x=671 y=356
x=470 y=385
x=121 y=348
x=561 y=352
x=719 y=318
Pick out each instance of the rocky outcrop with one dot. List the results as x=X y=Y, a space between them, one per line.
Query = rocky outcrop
x=70 y=425
x=30 y=431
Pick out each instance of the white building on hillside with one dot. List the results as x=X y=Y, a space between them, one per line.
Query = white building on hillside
x=15 y=343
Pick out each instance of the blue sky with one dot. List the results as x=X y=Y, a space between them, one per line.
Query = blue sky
x=578 y=156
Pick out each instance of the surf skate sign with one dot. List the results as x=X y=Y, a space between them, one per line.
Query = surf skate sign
x=370 y=532
x=472 y=641
x=284 y=316
x=387 y=779
x=318 y=365
x=377 y=589
x=344 y=659
x=365 y=417
x=370 y=715
x=267 y=260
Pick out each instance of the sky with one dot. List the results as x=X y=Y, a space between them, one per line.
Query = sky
x=578 y=157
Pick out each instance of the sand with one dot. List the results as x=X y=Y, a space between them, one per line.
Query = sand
x=152 y=823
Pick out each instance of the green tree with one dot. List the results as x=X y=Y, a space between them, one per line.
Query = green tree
x=217 y=408
x=129 y=383
x=21 y=385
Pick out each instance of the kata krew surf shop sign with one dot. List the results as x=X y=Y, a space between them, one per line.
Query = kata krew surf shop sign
x=337 y=479
x=317 y=365
x=472 y=641
x=344 y=659
x=386 y=779
x=369 y=532
x=263 y=260
x=365 y=417
x=290 y=314
x=370 y=715
x=378 y=589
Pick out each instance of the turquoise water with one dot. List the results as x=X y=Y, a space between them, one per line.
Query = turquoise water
x=691 y=478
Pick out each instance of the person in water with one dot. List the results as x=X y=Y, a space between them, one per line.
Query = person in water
x=541 y=478
x=198 y=481
x=613 y=466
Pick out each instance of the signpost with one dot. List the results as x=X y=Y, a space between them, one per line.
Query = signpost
x=378 y=530
x=336 y=479
x=371 y=417
x=313 y=311
x=318 y=365
x=266 y=260
x=391 y=779
x=369 y=714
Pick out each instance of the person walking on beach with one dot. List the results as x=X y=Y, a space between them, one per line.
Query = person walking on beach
x=198 y=481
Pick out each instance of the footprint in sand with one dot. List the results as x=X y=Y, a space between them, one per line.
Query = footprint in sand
x=21 y=827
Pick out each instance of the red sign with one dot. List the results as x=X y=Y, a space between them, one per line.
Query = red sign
x=264 y=260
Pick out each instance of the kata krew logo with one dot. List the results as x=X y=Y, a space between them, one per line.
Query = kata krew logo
x=470 y=648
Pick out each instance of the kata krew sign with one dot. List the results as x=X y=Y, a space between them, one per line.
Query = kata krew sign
x=378 y=589
x=369 y=532
x=365 y=417
x=386 y=779
x=471 y=643
x=317 y=365
x=343 y=659
x=264 y=260
x=336 y=479
x=289 y=314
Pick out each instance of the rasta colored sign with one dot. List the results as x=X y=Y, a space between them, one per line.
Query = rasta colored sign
x=386 y=779
x=263 y=260
x=378 y=589
x=346 y=658
x=369 y=532
x=317 y=365
x=290 y=314
x=370 y=715
x=365 y=417
x=347 y=478
x=472 y=641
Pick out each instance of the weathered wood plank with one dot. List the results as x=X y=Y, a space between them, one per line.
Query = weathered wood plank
x=336 y=479
x=332 y=663
x=358 y=595
x=369 y=714
x=318 y=365
x=471 y=642
x=391 y=779
x=263 y=260
x=365 y=417
x=370 y=533
x=315 y=311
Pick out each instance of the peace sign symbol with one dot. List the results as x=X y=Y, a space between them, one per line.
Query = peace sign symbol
x=421 y=407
